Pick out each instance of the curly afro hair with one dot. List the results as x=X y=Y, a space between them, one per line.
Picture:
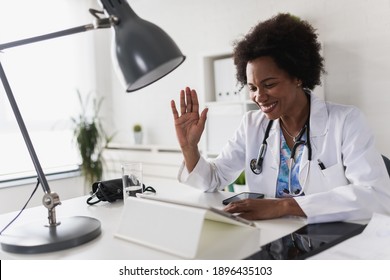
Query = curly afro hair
x=290 y=42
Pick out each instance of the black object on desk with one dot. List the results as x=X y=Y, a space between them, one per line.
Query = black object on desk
x=307 y=241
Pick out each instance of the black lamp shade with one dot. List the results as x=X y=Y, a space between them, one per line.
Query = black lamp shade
x=142 y=51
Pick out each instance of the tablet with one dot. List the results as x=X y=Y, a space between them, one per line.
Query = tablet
x=307 y=241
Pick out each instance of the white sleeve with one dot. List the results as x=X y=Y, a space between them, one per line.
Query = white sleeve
x=200 y=177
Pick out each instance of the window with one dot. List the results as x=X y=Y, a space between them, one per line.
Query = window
x=44 y=78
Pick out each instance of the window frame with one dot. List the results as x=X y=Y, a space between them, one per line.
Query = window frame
x=82 y=56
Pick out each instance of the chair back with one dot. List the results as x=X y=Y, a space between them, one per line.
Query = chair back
x=387 y=163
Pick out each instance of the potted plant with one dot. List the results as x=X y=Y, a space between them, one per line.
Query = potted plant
x=137 y=130
x=91 y=139
x=239 y=184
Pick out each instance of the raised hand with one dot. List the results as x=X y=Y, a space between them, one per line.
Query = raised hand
x=189 y=125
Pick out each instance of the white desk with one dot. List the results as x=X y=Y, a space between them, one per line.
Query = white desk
x=106 y=246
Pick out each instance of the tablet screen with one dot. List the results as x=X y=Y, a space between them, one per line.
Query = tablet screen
x=307 y=241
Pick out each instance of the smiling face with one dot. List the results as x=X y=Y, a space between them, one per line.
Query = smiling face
x=275 y=92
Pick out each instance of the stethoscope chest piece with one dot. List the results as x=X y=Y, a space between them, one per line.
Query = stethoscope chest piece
x=255 y=167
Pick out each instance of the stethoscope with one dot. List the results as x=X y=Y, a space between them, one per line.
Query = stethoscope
x=256 y=165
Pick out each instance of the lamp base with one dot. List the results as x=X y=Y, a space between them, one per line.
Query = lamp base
x=38 y=238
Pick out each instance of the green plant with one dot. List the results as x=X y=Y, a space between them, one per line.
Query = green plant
x=137 y=128
x=240 y=179
x=91 y=138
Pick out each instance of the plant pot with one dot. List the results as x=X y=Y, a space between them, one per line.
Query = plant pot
x=240 y=188
x=138 y=137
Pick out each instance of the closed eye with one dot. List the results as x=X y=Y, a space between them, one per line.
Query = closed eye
x=270 y=85
x=252 y=88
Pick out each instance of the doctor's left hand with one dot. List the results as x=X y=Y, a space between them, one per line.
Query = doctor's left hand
x=261 y=209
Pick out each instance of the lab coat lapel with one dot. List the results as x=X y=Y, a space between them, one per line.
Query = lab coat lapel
x=318 y=130
x=273 y=143
x=304 y=167
x=318 y=118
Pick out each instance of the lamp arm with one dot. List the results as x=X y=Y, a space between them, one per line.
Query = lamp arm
x=98 y=24
x=47 y=36
x=50 y=199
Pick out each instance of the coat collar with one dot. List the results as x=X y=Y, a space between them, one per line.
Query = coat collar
x=319 y=116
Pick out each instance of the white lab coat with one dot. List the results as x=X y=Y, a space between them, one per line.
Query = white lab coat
x=354 y=185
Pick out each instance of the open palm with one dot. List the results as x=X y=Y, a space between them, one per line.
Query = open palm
x=189 y=124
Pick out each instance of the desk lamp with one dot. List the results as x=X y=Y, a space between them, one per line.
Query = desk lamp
x=143 y=53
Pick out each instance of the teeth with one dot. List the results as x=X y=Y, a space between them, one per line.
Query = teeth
x=266 y=108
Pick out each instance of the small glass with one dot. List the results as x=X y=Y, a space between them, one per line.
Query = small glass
x=131 y=179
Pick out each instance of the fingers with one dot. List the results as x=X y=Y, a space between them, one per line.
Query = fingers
x=183 y=106
x=236 y=206
x=188 y=101
x=194 y=100
x=174 y=110
x=256 y=209
x=203 y=115
x=242 y=208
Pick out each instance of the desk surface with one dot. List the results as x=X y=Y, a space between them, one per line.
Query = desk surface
x=107 y=247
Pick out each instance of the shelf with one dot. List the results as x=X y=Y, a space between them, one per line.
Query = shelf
x=158 y=162
x=144 y=148
x=208 y=73
x=224 y=103
x=225 y=110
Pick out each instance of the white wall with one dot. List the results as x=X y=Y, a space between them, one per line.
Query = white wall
x=355 y=34
x=13 y=198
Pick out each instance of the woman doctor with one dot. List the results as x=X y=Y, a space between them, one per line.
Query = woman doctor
x=310 y=158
